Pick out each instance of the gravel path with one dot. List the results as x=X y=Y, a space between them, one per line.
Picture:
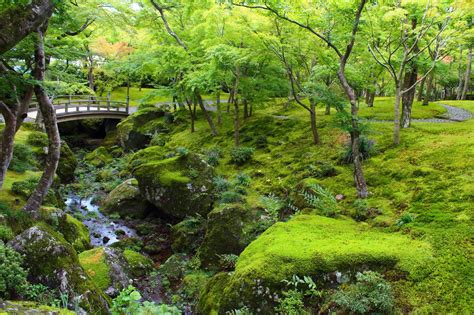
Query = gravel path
x=453 y=114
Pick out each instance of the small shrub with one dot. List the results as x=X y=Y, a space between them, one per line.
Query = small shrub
x=261 y=142
x=127 y=302
x=37 y=139
x=242 y=179
x=182 y=151
x=241 y=155
x=321 y=171
x=13 y=281
x=25 y=187
x=213 y=155
x=370 y=294
x=321 y=199
x=230 y=197
x=405 y=219
x=272 y=205
x=366 y=150
x=228 y=261
x=22 y=159
x=6 y=233
x=294 y=298
x=159 y=139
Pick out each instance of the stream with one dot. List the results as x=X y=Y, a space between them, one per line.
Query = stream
x=103 y=230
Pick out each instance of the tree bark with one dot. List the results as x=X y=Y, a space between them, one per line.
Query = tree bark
x=246 y=108
x=429 y=87
x=408 y=97
x=396 y=125
x=206 y=113
x=236 y=123
x=419 y=98
x=218 y=108
x=460 y=76
x=19 y=21
x=54 y=142
x=8 y=136
x=467 y=78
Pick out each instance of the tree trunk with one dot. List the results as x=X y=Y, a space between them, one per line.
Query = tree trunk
x=246 y=108
x=218 y=108
x=251 y=109
x=419 y=98
x=314 y=129
x=19 y=21
x=429 y=87
x=396 y=120
x=467 y=78
x=54 y=142
x=328 y=110
x=359 y=179
x=236 y=123
x=460 y=76
x=409 y=96
x=8 y=137
x=206 y=114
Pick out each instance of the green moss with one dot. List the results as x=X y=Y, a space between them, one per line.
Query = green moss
x=27 y=307
x=99 y=157
x=76 y=233
x=139 y=264
x=211 y=295
x=127 y=201
x=168 y=178
x=67 y=164
x=93 y=262
x=314 y=245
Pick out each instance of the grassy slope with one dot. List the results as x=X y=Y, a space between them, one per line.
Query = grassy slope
x=430 y=175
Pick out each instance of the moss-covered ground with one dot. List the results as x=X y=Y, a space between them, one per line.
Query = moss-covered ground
x=93 y=262
x=429 y=177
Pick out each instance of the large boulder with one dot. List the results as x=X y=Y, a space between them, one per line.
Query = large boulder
x=137 y=130
x=67 y=164
x=224 y=234
x=113 y=270
x=187 y=235
x=316 y=246
x=127 y=201
x=179 y=186
x=99 y=157
x=52 y=261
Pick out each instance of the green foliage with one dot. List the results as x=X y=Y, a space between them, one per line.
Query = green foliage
x=321 y=199
x=405 y=219
x=370 y=294
x=127 y=302
x=230 y=197
x=37 y=139
x=6 y=233
x=22 y=159
x=13 y=281
x=213 y=155
x=241 y=155
x=272 y=205
x=299 y=289
x=221 y=184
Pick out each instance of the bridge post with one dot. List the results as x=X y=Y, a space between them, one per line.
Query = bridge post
x=128 y=104
x=108 y=101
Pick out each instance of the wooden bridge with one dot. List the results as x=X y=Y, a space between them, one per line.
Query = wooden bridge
x=77 y=107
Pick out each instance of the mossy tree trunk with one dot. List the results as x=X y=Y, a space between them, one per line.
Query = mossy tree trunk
x=218 y=108
x=206 y=114
x=314 y=129
x=49 y=118
x=429 y=87
x=467 y=78
x=409 y=96
x=236 y=123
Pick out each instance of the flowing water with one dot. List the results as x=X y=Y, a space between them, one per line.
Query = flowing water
x=103 y=230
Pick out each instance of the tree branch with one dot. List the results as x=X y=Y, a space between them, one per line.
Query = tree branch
x=161 y=9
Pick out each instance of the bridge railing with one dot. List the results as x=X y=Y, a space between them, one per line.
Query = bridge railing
x=77 y=103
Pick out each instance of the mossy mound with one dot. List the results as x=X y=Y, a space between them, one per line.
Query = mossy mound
x=99 y=157
x=67 y=164
x=75 y=232
x=111 y=269
x=210 y=297
x=138 y=265
x=27 y=307
x=127 y=201
x=224 y=234
x=316 y=246
x=180 y=186
x=137 y=130
x=52 y=261
x=188 y=234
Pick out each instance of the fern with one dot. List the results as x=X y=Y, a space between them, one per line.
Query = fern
x=321 y=199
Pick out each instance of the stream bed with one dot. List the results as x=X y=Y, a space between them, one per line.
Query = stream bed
x=103 y=230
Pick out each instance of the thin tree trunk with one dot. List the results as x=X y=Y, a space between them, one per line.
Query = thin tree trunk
x=460 y=76
x=246 y=108
x=409 y=96
x=419 y=98
x=206 y=113
x=314 y=129
x=251 y=109
x=396 y=121
x=328 y=110
x=236 y=123
x=429 y=87
x=218 y=108
x=8 y=137
x=467 y=78
x=54 y=142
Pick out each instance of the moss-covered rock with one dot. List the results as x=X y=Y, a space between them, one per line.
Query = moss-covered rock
x=75 y=232
x=187 y=235
x=224 y=234
x=137 y=130
x=180 y=186
x=127 y=201
x=28 y=307
x=112 y=270
x=211 y=296
x=138 y=265
x=67 y=164
x=99 y=157
x=52 y=261
x=317 y=246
